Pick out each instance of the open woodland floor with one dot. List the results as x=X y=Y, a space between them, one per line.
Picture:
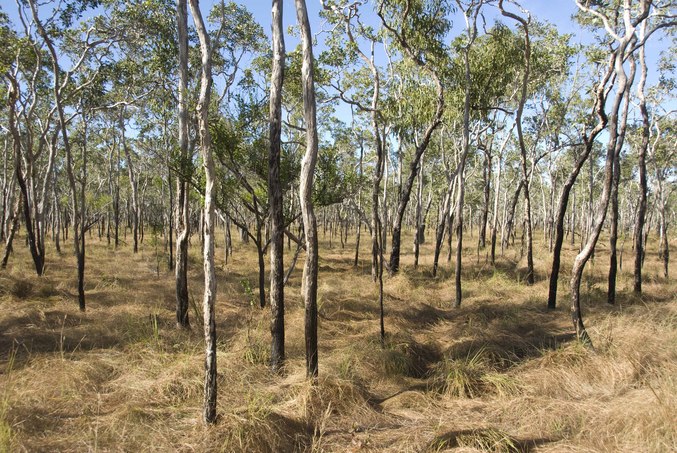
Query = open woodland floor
x=499 y=374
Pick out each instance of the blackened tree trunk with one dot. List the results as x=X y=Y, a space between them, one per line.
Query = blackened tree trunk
x=613 y=234
x=615 y=141
x=589 y=140
x=275 y=193
x=486 y=179
x=33 y=237
x=641 y=164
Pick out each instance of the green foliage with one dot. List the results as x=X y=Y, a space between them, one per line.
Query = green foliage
x=423 y=24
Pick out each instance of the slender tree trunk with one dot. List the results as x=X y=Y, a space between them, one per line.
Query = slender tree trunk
x=419 y=214
x=613 y=235
x=614 y=142
x=571 y=180
x=134 y=185
x=277 y=355
x=461 y=178
x=484 y=218
x=182 y=213
x=520 y=138
x=57 y=87
x=641 y=164
x=358 y=226
x=13 y=222
x=32 y=236
x=209 y=299
x=310 y=269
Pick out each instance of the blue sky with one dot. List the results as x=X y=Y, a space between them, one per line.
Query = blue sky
x=557 y=12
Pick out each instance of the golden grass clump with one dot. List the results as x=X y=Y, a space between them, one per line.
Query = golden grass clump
x=499 y=374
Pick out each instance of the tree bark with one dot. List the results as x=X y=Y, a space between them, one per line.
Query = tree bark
x=615 y=141
x=277 y=355
x=209 y=298
x=520 y=138
x=641 y=164
x=310 y=268
x=133 y=182
x=182 y=208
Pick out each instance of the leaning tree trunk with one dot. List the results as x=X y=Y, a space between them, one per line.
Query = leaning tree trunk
x=37 y=252
x=275 y=193
x=614 y=142
x=589 y=140
x=182 y=213
x=13 y=221
x=310 y=269
x=57 y=88
x=209 y=298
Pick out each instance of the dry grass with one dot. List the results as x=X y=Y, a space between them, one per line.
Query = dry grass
x=499 y=374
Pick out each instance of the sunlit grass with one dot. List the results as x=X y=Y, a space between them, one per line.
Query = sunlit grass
x=501 y=373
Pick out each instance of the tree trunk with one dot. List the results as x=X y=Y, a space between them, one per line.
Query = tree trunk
x=615 y=141
x=277 y=355
x=358 y=227
x=641 y=158
x=33 y=237
x=484 y=218
x=613 y=235
x=182 y=213
x=209 y=298
x=13 y=222
x=132 y=182
x=310 y=269
x=520 y=138
x=419 y=214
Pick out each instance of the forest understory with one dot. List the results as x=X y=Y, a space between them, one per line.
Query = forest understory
x=502 y=373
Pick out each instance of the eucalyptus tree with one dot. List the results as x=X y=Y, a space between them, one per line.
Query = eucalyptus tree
x=641 y=163
x=417 y=29
x=209 y=297
x=88 y=47
x=471 y=11
x=524 y=23
x=310 y=268
x=182 y=199
x=627 y=26
x=650 y=141
x=601 y=90
x=624 y=36
x=275 y=201
x=348 y=17
x=661 y=158
x=32 y=130
x=237 y=35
